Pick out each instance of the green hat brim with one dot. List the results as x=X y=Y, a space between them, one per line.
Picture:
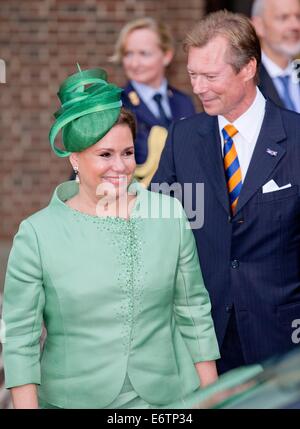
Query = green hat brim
x=87 y=114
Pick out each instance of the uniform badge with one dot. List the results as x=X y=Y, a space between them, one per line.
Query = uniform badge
x=134 y=98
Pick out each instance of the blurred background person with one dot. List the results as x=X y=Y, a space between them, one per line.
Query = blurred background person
x=277 y=24
x=145 y=48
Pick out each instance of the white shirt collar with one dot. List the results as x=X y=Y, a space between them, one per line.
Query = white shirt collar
x=245 y=123
x=273 y=69
x=146 y=92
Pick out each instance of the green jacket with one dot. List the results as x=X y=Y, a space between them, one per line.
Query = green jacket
x=116 y=297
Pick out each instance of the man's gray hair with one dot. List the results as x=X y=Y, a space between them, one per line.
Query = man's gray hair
x=257 y=7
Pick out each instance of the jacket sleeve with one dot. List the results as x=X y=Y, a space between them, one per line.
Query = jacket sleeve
x=192 y=304
x=23 y=305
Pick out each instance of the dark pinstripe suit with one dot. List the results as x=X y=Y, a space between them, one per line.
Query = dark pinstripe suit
x=250 y=262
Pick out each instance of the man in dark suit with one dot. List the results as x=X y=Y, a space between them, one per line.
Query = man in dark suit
x=277 y=24
x=246 y=152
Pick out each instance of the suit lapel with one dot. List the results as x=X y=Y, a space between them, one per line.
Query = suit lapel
x=267 y=154
x=267 y=87
x=145 y=115
x=211 y=157
x=262 y=164
x=173 y=105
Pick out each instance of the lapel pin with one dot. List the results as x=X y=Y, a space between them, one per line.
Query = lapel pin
x=134 y=98
x=272 y=152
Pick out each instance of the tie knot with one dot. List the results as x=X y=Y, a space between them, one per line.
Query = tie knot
x=229 y=131
x=157 y=97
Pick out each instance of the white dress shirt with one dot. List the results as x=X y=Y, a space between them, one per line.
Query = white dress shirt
x=274 y=72
x=248 y=126
x=146 y=93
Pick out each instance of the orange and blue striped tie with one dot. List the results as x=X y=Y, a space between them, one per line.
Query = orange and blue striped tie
x=232 y=166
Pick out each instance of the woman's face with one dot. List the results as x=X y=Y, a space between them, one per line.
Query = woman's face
x=143 y=59
x=109 y=163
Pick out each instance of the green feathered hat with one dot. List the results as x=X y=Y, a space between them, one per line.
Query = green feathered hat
x=87 y=112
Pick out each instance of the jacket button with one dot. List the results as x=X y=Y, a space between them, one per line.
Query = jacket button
x=235 y=264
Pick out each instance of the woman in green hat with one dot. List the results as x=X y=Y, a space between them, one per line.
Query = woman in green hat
x=117 y=284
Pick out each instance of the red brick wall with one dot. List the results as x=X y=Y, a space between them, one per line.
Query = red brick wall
x=41 y=41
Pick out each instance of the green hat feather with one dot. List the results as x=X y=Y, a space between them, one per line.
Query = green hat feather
x=87 y=112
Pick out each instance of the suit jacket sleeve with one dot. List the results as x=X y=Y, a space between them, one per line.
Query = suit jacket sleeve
x=23 y=305
x=192 y=304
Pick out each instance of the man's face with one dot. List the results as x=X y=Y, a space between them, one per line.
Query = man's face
x=219 y=87
x=279 y=27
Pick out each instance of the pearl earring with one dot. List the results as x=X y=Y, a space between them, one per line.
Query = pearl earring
x=77 y=179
